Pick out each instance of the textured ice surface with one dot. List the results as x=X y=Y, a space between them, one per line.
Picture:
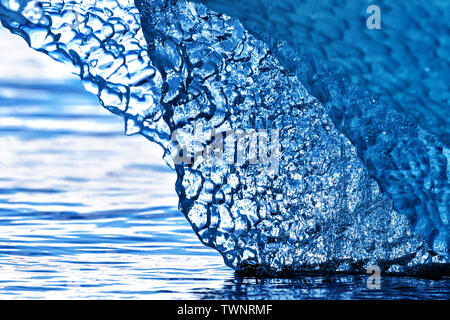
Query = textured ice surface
x=320 y=212
x=407 y=62
x=410 y=164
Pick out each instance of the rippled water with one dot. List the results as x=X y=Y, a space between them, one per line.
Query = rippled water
x=86 y=212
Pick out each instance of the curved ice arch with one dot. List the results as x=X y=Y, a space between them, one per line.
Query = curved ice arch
x=320 y=212
x=103 y=41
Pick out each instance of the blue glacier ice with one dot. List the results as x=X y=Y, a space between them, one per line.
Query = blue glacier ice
x=409 y=164
x=173 y=66
x=406 y=62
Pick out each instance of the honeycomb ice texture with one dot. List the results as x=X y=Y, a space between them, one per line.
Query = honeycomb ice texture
x=164 y=65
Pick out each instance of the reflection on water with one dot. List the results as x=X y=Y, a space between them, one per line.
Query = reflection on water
x=86 y=212
x=328 y=287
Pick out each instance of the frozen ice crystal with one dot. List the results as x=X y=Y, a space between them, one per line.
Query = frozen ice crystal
x=319 y=211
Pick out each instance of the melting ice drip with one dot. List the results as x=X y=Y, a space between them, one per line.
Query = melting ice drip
x=166 y=66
